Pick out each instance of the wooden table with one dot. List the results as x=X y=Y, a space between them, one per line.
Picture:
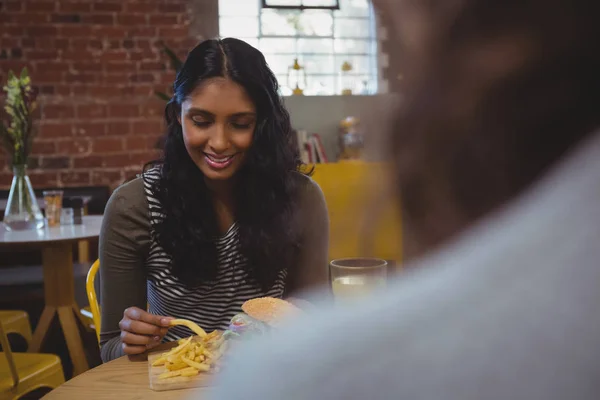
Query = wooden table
x=56 y=244
x=121 y=379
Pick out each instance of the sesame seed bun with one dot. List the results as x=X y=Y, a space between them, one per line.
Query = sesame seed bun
x=270 y=310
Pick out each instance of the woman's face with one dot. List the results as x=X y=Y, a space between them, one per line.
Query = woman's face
x=218 y=121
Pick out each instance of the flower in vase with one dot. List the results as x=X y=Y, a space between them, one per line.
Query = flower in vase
x=17 y=135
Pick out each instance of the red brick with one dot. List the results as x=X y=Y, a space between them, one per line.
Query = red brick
x=46 y=54
x=101 y=90
x=46 y=31
x=81 y=78
x=171 y=8
x=123 y=110
x=41 y=6
x=141 y=6
x=106 y=6
x=5 y=179
x=173 y=32
x=160 y=19
x=141 y=31
x=43 y=179
x=9 y=42
x=48 y=76
x=143 y=91
x=112 y=55
x=14 y=5
x=76 y=31
x=115 y=79
x=62 y=90
x=85 y=111
x=77 y=55
x=147 y=127
x=73 y=146
x=99 y=19
x=54 y=66
x=107 y=145
x=43 y=147
x=141 y=142
x=141 y=158
x=116 y=160
x=89 y=129
x=146 y=55
x=104 y=177
x=29 y=18
x=142 y=78
x=92 y=161
x=61 y=44
x=119 y=66
x=132 y=19
x=55 y=162
x=118 y=128
x=74 y=7
x=55 y=130
x=56 y=111
x=74 y=178
x=65 y=18
x=87 y=66
x=152 y=66
x=110 y=32
x=154 y=109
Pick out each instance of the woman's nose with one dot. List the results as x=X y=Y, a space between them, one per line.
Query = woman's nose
x=218 y=141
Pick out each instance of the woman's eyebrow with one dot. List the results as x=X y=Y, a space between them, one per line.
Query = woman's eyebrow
x=243 y=114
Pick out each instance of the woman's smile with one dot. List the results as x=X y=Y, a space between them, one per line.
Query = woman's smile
x=219 y=161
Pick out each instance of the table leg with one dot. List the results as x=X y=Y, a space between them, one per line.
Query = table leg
x=59 y=293
x=41 y=330
x=74 y=343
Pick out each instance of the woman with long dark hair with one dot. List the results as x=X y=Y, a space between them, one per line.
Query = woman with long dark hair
x=225 y=216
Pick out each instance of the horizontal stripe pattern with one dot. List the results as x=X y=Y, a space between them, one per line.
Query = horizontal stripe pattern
x=212 y=304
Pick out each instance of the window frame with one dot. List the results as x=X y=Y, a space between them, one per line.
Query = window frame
x=301 y=7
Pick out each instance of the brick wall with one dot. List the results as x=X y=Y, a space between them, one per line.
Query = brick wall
x=96 y=65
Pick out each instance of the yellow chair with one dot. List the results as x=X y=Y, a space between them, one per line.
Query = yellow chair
x=22 y=373
x=90 y=289
x=16 y=321
x=364 y=216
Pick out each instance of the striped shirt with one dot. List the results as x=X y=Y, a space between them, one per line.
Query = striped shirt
x=212 y=304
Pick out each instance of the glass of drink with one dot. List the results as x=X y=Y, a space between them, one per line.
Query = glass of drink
x=353 y=278
x=53 y=201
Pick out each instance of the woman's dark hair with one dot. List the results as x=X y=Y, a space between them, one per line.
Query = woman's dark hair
x=495 y=92
x=265 y=186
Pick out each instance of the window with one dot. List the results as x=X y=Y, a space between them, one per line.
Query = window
x=322 y=41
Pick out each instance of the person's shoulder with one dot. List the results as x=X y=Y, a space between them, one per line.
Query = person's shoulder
x=128 y=196
x=307 y=188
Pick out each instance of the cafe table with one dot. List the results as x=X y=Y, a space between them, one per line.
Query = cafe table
x=125 y=378
x=56 y=244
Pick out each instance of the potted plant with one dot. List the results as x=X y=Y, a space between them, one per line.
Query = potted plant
x=22 y=211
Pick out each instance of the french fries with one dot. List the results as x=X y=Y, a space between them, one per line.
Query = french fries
x=189 y=324
x=192 y=356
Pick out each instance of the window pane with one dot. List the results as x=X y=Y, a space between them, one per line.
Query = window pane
x=247 y=8
x=360 y=64
x=320 y=85
x=278 y=45
x=280 y=64
x=353 y=8
x=319 y=3
x=315 y=46
x=318 y=64
x=350 y=46
x=279 y=22
x=283 y=2
x=352 y=28
x=315 y=23
x=285 y=88
x=238 y=27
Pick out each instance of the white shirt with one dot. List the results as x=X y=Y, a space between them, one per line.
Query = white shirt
x=510 y=310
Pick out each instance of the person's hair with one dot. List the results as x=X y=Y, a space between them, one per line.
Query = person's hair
x=495 y=92
x=264 y=186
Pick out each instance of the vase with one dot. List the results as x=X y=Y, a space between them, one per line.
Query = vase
x=22 y=210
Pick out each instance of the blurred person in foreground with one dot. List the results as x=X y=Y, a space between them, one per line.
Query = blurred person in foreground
x=497 y=151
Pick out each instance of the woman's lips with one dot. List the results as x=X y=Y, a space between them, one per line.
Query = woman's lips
x=219 y=162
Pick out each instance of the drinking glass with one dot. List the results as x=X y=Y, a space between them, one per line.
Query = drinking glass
x=53 y=200
x=353 y=278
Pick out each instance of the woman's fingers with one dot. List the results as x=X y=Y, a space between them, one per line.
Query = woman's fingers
x=141 y=328
x=140 y=315
x=139 y=340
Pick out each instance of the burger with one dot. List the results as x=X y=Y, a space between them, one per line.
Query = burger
x=259 y=316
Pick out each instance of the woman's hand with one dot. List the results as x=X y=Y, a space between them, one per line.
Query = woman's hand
x=141 y=330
